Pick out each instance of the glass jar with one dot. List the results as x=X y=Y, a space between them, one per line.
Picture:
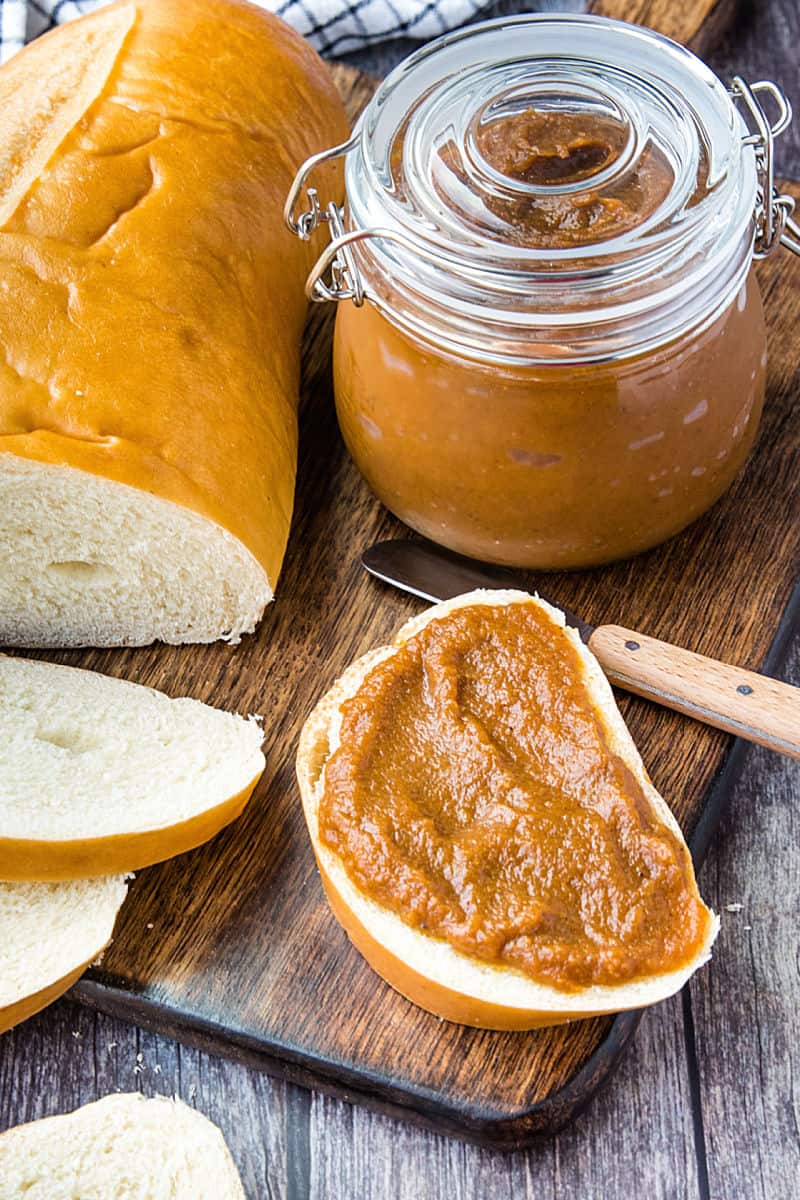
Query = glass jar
x=552 y=351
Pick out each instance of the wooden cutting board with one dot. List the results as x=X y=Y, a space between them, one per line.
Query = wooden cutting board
x=233 y=948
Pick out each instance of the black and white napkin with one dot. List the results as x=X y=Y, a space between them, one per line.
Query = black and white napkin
x=334 y=27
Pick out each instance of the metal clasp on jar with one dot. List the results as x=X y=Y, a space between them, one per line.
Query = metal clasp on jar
x=774 y=209
x=336 y=261
x=345 y=280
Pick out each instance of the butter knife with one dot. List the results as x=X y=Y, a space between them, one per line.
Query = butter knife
x=752 y=706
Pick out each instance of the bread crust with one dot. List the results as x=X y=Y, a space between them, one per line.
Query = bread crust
x=28 y=1006
x=66 y=941
x=85 y=858
x=426 y=969
x=168 y=295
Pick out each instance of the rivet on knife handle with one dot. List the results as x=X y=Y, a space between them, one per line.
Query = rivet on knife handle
x=753 y=706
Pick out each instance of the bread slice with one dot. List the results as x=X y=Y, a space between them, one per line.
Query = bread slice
x=151 y=319
x=51 y=932
x=98 y=775
x=123 y=1147
x=427 y=969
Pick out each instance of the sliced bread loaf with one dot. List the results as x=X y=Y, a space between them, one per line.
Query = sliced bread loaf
x=50 y=934
x=424 y=966
x=151 y=321
x=123 y=1147
x=98 y=775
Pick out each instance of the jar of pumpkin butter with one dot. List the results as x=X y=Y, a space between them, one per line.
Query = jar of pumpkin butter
x=550 y=350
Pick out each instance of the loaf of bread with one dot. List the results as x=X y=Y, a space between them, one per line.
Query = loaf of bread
x=151 y=317
x=123 y=1147
x=98 y=775
x=51 y=932
x=426 y=968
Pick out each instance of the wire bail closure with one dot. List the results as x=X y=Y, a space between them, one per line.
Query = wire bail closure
x=774 y=209
x=345 y=280
x=305 y=224
x=335 y=275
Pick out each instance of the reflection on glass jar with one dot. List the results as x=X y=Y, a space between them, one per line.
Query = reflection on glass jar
x=550 y=466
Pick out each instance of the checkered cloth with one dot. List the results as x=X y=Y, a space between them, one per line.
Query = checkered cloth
x=333 y=26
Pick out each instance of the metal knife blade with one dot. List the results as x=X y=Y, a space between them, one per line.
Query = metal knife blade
x=435 y=574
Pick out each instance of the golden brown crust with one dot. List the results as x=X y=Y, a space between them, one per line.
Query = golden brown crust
x=152 y=251
x=44 y=861
x=13 y=1014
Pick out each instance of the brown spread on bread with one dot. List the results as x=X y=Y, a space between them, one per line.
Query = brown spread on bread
x=475 y=793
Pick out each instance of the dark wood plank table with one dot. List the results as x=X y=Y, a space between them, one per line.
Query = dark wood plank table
x=704 y=1105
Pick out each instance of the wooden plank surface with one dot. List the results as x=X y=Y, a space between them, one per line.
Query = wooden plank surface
x=746 y=1009
x=397 y=1161
x=283 y=1139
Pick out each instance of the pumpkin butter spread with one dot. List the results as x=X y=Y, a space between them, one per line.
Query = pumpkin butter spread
x=474 y=794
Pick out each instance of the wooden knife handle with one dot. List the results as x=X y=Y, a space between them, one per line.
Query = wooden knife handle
x=752 y=706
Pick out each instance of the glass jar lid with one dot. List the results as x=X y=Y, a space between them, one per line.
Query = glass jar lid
x=551 y=187
x=516 y=143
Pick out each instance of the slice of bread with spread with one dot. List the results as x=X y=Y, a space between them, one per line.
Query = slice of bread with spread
x=485 y=829
x=51 y=932
x=151 y=319
x=121 y=1146
x=99 y=775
